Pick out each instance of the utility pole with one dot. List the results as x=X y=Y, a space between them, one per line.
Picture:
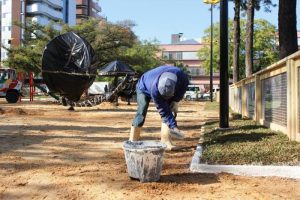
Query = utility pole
x=212 y=3
x=224 y=103
x=211 y=54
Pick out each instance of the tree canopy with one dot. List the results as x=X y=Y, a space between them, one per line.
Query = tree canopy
x=265 y=51
x=111 y=41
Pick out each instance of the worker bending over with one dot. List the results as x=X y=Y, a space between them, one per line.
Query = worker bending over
x=166 y=86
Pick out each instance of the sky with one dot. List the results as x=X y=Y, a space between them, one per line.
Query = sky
x=158 y=19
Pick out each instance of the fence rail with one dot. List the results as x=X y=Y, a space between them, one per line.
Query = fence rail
x=271 y=96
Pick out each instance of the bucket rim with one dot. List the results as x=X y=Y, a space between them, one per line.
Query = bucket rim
x=144 y=145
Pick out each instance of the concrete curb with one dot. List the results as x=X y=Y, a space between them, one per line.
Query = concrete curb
x=244 y=170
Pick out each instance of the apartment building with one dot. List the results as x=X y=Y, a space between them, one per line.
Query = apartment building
x=86 y=9
x=40 y=11
x=45 y=11
x=185 y=51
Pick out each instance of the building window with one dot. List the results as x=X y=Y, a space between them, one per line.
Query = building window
x=196 y=71
x=6 y=28
x=5 y=41
x=3 y=55
x=4 y=15
x=189 y=56
x=178 y=55
x=172 y=55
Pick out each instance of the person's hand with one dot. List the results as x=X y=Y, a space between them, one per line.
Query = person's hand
x=174 y=108
x=176 y=133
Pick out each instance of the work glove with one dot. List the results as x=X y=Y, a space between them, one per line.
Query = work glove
x=174 y=108
x=176 y=133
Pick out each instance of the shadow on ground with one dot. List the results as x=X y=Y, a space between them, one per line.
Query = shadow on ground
x=190 y=178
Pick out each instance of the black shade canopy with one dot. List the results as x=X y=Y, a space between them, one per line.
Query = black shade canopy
x=67 y=65
x=116 y=68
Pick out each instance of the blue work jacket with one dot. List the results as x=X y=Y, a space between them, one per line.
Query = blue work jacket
x=148 y=85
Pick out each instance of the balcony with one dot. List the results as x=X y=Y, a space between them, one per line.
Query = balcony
x=45 y=21
x=43 y=9
x=55 y=3
x=95 y=6
x=95 y=15
x=81 y=2
x=52 y=3
x=82 y=11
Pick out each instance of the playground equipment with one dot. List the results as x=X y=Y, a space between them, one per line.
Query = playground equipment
x=69 y=68
x=10 y=86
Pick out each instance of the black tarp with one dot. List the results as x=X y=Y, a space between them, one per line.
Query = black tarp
x=116 y=68
x=68 y=65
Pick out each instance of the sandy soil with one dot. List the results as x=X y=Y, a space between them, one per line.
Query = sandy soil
x=48 y=152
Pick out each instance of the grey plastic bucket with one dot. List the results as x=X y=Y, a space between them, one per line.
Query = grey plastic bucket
x=144 y=159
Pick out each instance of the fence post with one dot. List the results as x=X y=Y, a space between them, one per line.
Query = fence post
x=297 y=104
x=292 y=97
x=258 y=99
x=244 y=99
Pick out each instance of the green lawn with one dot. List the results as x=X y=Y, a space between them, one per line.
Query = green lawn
x=247 y=143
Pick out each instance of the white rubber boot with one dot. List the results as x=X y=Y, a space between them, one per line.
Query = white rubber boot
x=165 y=137
x=135 y=133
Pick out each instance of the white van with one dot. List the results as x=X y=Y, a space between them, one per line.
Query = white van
x=193 y=92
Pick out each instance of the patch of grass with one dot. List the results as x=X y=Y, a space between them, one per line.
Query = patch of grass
x=248 y=143
x=211 y=106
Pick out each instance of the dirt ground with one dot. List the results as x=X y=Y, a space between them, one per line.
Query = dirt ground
x=48 y=152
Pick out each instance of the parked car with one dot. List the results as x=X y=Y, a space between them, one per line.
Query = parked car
x=193 y=93
x=207 y=94
x=10 y=86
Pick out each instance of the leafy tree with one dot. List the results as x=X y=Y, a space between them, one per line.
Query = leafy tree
x=118 y=42
x=287 y=27
x=143 y=56
x=110 y=41
x=28 y=57
x=264 y=46
x=204 y=52
x=251 y=6
x=182 y=66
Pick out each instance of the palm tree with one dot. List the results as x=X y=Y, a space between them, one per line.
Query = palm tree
x=287 y=28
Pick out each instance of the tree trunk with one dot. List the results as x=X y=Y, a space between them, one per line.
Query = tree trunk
x=249 y=38
x=236 y=40
x=287 y=28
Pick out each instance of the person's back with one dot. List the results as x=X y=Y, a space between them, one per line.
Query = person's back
x=149 y=80
x=166 y=86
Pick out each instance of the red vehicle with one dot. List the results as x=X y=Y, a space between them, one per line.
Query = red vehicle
x=10 y=86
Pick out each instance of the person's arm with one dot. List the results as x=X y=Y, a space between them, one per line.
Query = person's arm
x=178 y=97
x=163 y=108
